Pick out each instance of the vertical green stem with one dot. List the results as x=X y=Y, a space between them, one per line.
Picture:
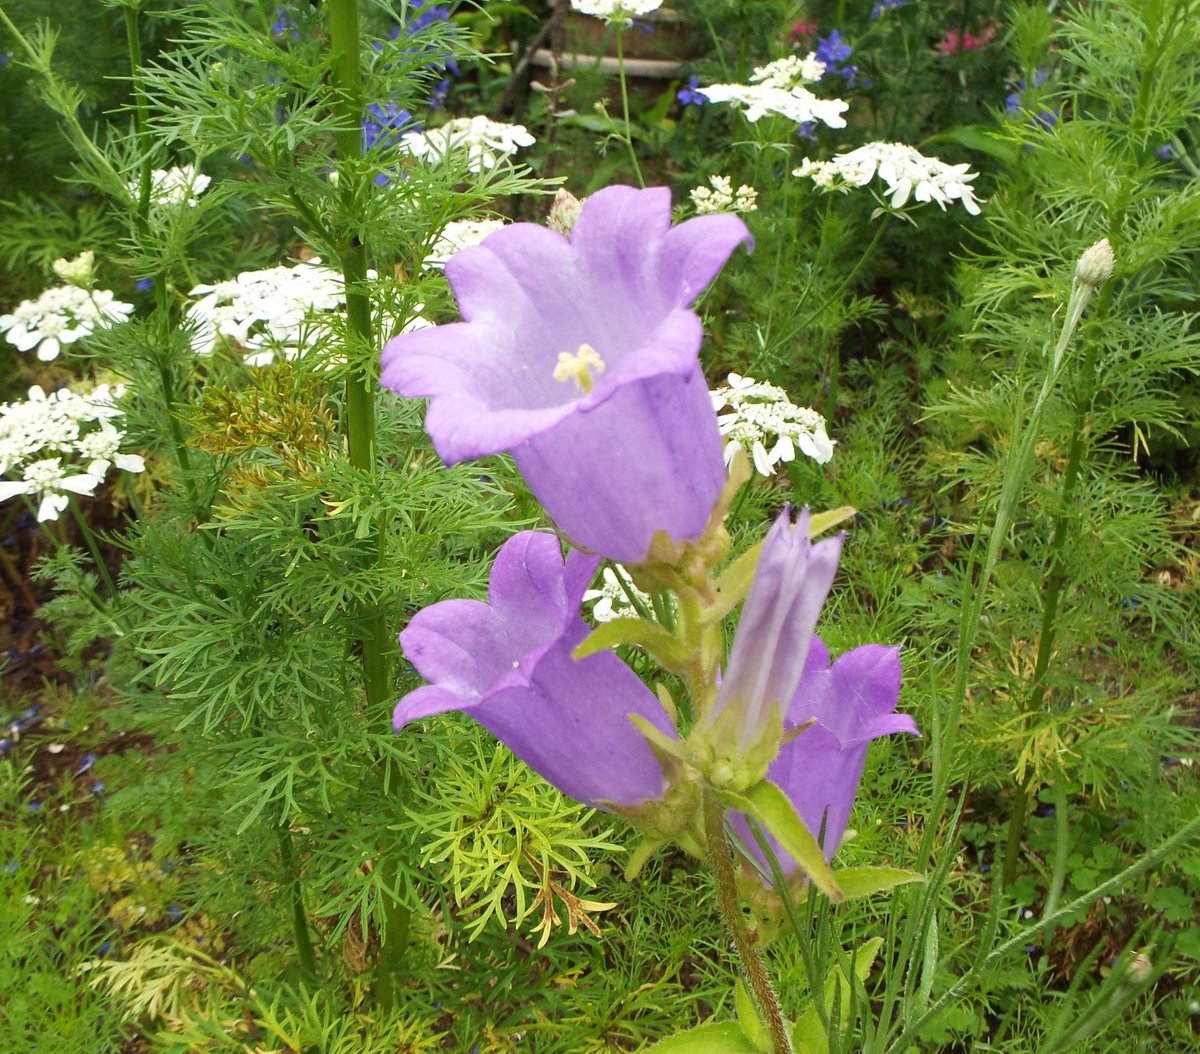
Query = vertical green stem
x=637 y=169
x=721 y=862
x=140 y=117
x=348 y=105
x=304 y=946
x=90 y=540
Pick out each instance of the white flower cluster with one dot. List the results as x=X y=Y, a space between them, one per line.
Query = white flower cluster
x=779 y=88
x=59 y=443
x=456 y=236
x=609 y=599
x=787 y=72
x=907 y=172
x=178 y=185
x=268 y=312
x=79 y=271
x=485 y=141
x=616 y=10
x=762 y=420
x=61 y=315
x=723 y=198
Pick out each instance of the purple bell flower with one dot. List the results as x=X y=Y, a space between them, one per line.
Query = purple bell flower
x=579 y=356
x=507 y=663
x=853 y=701
x=791 y=580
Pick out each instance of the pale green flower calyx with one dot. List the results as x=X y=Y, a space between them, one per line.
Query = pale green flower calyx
x=579 y=367
x=79 y=271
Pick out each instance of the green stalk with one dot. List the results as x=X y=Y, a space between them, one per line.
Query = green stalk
x=720 y=860
x=304 y=946
x=90 y=540
x=140 y=119
x=637 y=169
x=348 y=104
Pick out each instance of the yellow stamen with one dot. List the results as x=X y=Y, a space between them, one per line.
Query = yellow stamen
x=579 y=367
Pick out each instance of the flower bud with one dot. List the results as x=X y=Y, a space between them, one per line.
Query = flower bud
x=563 y=211
x=78 y=271
x=1095 y=266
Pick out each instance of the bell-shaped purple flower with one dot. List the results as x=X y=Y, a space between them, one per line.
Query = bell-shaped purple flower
x=508 y=664
x=850 y=703
x=578 y=355
x=791 y=580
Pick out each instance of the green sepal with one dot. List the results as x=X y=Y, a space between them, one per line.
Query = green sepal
x=734 y=582
x=809 y=1034
x=856 y=882
x=717 y=1037
x=657 y=642
x=775 y=812
x=748 y=1018
x=638 y=858
x=664 y=747
x=820 y=522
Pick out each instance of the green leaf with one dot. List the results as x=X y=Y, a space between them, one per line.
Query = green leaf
x=747 y=1015
x=665 y=648
x=717 y=1037
x=856 y=882
x=820 y=522
x=978 y=137
x=809 y=1034
x=774 y=810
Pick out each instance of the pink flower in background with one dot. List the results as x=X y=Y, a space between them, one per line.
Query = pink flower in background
x=954 y=42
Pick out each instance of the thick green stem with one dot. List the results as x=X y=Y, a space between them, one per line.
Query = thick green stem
x=140 y=117
x=360 y=435
x=721 y=862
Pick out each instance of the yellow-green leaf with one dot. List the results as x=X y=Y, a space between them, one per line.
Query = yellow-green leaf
x=858 y=882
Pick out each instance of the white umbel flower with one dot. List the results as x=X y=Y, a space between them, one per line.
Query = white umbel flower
x=177 y=185
x=609 y=600
x=269 y=312
x=760 y=419
x=616 y=10
x=456 y=236
x=59 y=444
x=908 y=173
x=787 y=72
x=796 y=104
x=60 y=316
x=484 y=141
x=721 y=197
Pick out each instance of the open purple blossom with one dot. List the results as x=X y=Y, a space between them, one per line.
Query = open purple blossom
x=690 y=95
x=507 y=663
x=770 y=646
x=850 y=703
x=579 y=356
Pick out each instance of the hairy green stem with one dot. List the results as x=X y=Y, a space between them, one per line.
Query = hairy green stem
x=720 y=860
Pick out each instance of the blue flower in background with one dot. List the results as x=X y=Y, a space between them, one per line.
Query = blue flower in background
x=879 y=8
x=384 y=124
x=688 y=95
x=1164 y=152
x=833 y=51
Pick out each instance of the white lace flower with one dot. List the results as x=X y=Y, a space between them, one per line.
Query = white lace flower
x=609 y=599
x=269 y=312
x=796 y=103
x=48 y=483
x=907 y=172
x=723 y=198
x=78 y=271
x=787 y=72
x=616 y=10
x=456 y=236
x=763 y=421
x=178 y=185
x=62 y=315
x=44 y=438
x=483 y=140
